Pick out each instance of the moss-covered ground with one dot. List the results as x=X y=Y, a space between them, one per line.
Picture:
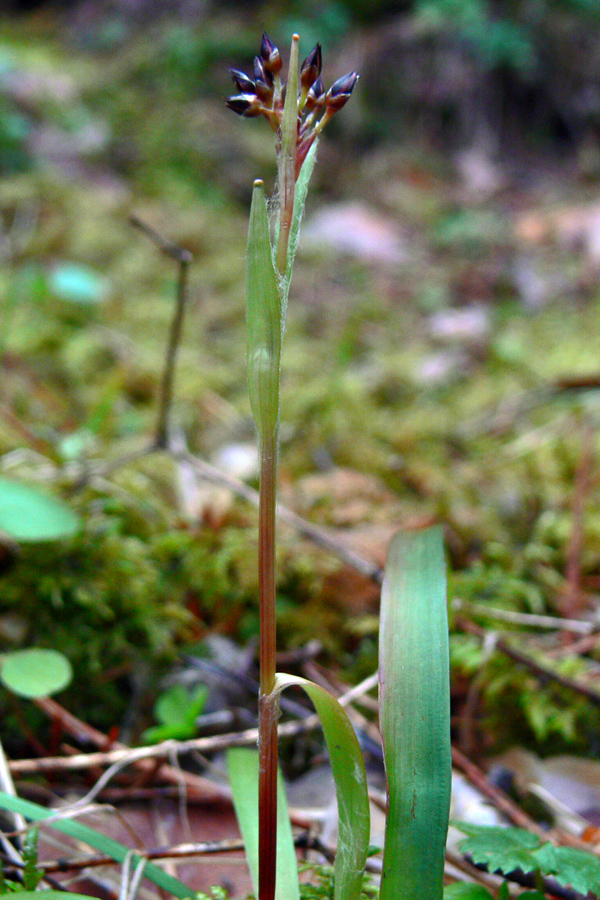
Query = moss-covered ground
x=395 y=411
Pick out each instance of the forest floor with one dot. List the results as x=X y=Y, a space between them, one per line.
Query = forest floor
x=440 y=364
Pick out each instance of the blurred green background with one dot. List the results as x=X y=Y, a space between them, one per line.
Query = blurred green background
x=447 y=284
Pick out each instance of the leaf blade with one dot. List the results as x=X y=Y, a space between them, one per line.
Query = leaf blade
x=29 y=515
x=95 y=839
x=35 y=672
x=242 y=764
x=350 y=782
x=263 y=318
x=414 y=676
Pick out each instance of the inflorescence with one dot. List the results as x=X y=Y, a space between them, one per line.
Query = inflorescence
x=265 y=95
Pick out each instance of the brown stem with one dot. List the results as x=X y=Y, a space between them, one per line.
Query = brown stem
x=166 y=388
x=267 y=743
x=183 y=258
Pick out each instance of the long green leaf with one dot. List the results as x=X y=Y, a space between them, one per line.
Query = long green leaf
x=299 y=202
x=94 y=839
x=415 y=715
x=242 y=764
x=350 y=784
x=50 y=895
x=263 y=316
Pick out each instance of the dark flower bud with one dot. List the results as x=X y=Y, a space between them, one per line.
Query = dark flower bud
x=245 y=105
x=263 y=80
x=311 y=67
x=340 y=91
x=244 y=84
x=260 y=71
x=270 y=55
x=316 y=96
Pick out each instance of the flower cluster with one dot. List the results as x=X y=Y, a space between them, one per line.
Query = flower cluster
x=264 y=95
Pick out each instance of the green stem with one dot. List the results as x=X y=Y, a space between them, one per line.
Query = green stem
x=267 y=812
x=287 y=158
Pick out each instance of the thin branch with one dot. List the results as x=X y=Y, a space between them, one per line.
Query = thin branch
x=126 y=756
x=8 y=787
x=183 y=258
x=201 y=787
x=529 y=620
x=573 y=601
x=317 y=535
x=182 y=851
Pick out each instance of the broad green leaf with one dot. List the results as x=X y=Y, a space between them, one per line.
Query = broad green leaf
x=504 y=837
x=94 y=839
x=465 y=890
x=35 y=673
x=350 y=784
x=243 y=778
x=501 y=849
x=506 y=849
x=27 y=514
x=546 y=858
x=263 y=317
x=577 y=869
x=415 y=715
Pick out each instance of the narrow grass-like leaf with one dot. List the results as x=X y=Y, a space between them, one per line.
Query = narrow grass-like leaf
x=350 y=784
x=243 y=778
x=94 y=839
x=263 y=316
x=50 y=895
x=299 y=202
x=415 y=715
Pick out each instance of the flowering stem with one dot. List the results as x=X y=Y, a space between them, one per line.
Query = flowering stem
x=267 y=283
x=268 y=706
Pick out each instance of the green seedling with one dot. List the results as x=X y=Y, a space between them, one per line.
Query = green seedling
x=177 y=710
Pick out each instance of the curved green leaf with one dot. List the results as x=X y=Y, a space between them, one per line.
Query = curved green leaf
x=350 y=784
x=415 y=715
x=299 y=202
x=35 y=673
x=242 y=764
x=26 y=514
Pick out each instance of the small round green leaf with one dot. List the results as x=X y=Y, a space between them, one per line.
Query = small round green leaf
x=27 y=514
x=35 y=673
